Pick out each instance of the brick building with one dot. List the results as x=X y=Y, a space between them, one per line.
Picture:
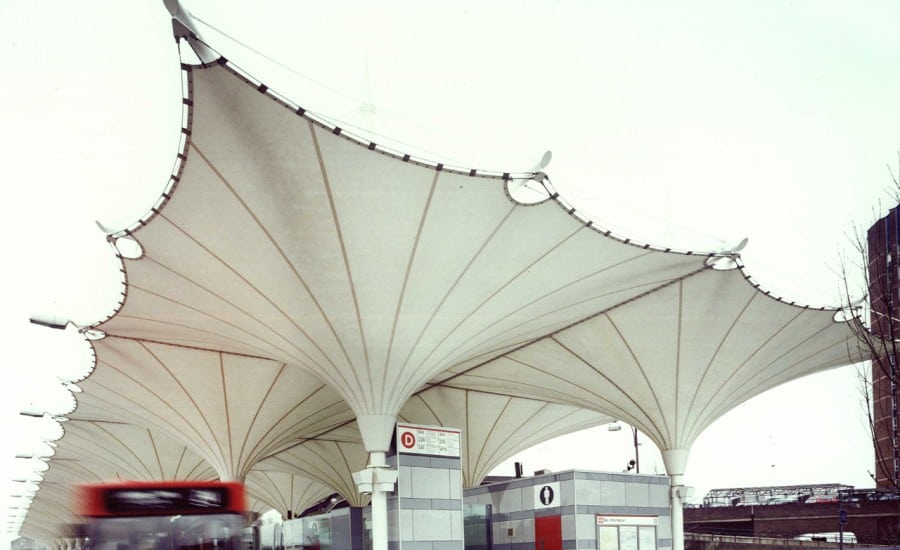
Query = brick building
x=884 y=294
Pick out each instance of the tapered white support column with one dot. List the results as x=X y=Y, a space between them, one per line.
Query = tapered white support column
x=379 y=520
x=676 y=461
x=377 y=479
x=677 y=513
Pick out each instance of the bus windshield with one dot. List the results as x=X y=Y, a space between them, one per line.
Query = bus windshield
x=177 y=532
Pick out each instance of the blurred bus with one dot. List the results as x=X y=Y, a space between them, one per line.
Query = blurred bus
x=162 y=515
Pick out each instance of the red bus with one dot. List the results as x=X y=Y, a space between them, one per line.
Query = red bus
x=162 y=515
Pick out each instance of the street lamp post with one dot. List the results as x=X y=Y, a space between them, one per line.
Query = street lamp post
x=635 y=463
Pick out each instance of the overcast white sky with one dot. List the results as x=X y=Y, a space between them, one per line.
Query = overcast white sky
x=690 y=124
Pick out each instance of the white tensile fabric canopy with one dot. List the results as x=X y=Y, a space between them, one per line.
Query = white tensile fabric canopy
x=294 y=281
x=284 y=491
x=231 y=409
x=673 y=363
x=285 y=241
x=494 y=425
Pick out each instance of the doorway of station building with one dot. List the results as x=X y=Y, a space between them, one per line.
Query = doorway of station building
x=548 y=533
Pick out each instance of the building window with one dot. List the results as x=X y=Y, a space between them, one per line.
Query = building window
x=626 y=532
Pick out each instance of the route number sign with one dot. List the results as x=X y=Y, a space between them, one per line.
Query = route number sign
x=428 y=440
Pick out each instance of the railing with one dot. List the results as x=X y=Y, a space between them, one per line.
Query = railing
x=773 y=541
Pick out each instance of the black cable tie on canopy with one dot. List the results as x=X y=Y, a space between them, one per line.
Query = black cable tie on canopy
x=301 y=111
x=472 y=172
x=188 y=102
x=439 y=167
x=506 y=176
x=262 y=88
x=336 y=131
x=406 y=158
x=371 y=146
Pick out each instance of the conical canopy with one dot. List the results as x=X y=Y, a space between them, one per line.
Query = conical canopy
x=673 y=362
x=330 y=459
x=104 y=451
x=495 y=426
x=285 y=240
x=283 y=491
x=231 y=409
